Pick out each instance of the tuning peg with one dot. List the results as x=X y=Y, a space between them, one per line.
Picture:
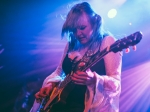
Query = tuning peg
x=127 y=50
x=134 y=47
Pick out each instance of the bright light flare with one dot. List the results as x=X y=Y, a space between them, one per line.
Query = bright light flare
x=135 y=87
x=112 y=13
x=130 y=24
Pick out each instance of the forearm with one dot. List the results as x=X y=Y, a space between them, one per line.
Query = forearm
x=108 y=83
x=113 y=65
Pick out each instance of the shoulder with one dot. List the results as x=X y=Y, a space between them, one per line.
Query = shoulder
x=107 y=41
x=67 y=46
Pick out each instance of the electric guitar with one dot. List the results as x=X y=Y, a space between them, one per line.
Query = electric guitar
x=63 y=89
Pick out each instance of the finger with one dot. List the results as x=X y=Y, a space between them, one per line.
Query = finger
x=89 y=73
x=82 y=80
x=47 y=92
x=79 y=76
x=79 y=83
x=38 y=98
x=42 y=92
x=88 y=70
x=79 y=73
x=37 y=95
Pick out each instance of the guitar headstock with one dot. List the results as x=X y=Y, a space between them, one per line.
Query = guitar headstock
x=125 y=42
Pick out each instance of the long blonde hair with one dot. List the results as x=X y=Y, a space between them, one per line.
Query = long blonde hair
x=71 y=23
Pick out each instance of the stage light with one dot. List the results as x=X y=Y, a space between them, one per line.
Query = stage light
x=130 y=23
x=135 y=85
x=112 y=13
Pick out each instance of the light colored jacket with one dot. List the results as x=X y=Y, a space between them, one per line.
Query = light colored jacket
x=103 y=96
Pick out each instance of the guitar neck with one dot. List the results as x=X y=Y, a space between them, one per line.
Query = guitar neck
x=123 y=43
x=97 y=58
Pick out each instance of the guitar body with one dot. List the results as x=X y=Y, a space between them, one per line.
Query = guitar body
x=58 y=100
x=55 y=105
